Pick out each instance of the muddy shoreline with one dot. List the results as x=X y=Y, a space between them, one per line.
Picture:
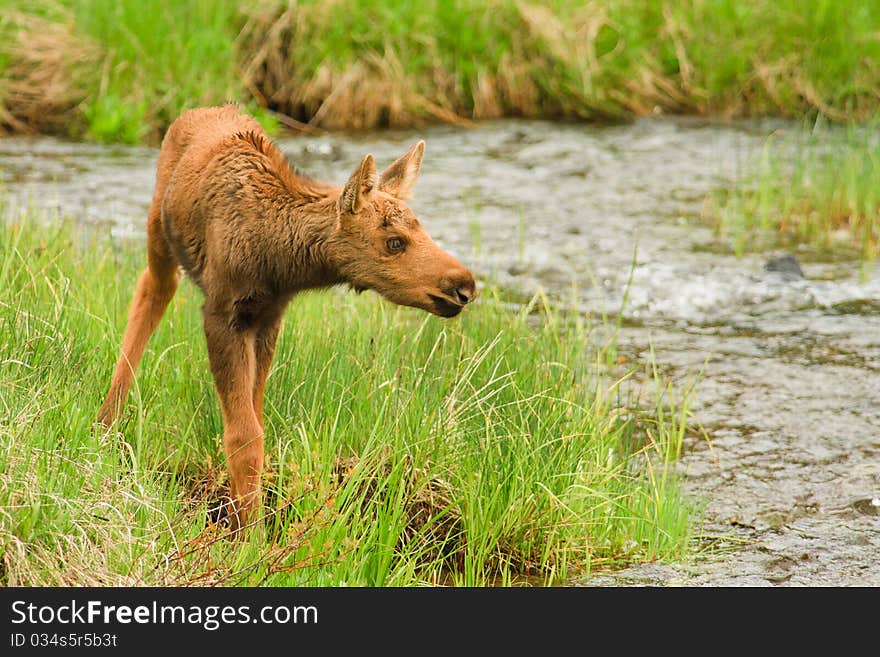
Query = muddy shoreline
x=789 y=365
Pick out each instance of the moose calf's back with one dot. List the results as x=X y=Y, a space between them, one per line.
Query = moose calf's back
x=229 y=192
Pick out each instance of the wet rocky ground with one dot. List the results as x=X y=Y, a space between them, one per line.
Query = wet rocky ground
x=786 y=346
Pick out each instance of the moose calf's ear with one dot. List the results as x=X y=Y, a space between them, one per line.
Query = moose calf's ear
x=361 y=187
x=399 y=178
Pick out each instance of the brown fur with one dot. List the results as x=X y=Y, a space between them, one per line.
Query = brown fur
x=251 y=232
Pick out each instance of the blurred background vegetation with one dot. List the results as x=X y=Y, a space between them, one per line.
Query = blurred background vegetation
x=121 y=71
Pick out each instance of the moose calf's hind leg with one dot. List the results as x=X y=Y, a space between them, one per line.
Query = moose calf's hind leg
x=232 y=358
x=264 y=350
x=151 y=297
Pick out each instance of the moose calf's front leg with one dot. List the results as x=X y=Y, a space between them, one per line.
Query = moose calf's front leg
x=231 y=353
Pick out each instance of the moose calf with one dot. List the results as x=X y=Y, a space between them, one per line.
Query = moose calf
x=251 y=233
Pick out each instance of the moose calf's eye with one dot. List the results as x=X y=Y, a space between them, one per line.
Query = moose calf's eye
x=395 y=244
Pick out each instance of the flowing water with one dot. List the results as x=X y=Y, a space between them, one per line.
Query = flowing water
x=788 y=358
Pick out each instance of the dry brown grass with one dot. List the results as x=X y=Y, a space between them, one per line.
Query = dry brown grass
x=372 y=91
x=375 y=90
x=40 y=90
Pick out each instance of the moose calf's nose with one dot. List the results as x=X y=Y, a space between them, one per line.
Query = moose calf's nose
x=466 y=292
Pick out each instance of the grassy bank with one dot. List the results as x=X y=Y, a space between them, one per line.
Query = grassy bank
x=121 y=71
x=819 y=187
x=401 y=449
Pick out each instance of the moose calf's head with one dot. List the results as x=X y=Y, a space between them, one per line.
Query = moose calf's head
x=380 y=245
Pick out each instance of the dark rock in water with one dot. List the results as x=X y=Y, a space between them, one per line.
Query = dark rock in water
x=868 y=507
x=787 y=265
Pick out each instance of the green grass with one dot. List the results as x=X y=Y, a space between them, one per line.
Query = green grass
x=402 y=449
x=122 y=70
x=158 y=58
x=818 y=187
x=781 y=58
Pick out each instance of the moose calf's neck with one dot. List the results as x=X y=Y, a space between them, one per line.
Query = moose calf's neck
x=300 y=255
